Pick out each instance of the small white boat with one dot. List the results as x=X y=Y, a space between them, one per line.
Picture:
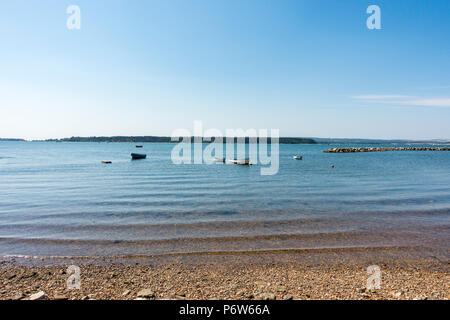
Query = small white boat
x=298 y=157
x=242 y=162
x=222 y=160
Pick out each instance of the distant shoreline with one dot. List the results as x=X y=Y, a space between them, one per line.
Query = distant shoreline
x=6 y=139
x=155 y=139
x=282 y=140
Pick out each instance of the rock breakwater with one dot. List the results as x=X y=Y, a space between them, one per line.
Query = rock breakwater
x=375 y=149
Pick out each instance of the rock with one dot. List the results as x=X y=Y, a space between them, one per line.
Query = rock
x=140 y=299
x=38 y=296
x=146 y=293
x=421 y=297
x=126 y=292
x=60 y=297
x=260 y=284
x=267 y=296
x=18 y=296
x=30 y=275
x=11 y=276
x=367 y=149
x=397 y=294
x=281 y=289
x=288 y=297
x=250 y=296
x=361 y=290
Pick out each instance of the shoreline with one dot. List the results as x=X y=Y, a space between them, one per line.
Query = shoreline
x=257 y=276
x=420 y=240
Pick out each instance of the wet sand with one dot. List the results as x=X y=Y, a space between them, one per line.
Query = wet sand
x=406 y=273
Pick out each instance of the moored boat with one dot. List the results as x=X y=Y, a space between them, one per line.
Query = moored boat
x=136 y=156
x=298 y=157
x=242 y=162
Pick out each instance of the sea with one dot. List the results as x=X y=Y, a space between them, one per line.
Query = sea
x=57 y=199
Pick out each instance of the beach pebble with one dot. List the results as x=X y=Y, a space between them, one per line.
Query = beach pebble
x=281 y=289
x=146 y=293
x=260 y=284
x=361 y=290
x=19 y=296
x=288 y=297
x=240 y=293
x=267 y=296
x=38 y=296
x=126 y=292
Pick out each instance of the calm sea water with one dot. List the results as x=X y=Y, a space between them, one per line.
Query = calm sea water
x=59 y=199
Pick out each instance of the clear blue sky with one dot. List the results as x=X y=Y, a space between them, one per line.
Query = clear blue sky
x=309 y=68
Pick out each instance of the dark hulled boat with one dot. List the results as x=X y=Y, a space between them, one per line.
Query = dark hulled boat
x=136 y=156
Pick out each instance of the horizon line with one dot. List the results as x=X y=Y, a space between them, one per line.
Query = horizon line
x=224 y=137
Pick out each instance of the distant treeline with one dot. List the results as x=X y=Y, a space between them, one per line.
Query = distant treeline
x=9 y=139
x=169 y=139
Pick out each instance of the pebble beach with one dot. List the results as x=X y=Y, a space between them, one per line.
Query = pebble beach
x=277 y=276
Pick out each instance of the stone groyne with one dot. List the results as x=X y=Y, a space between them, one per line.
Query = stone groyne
x=374 y=149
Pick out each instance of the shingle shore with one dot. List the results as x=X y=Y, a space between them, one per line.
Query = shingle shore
x=234 y=280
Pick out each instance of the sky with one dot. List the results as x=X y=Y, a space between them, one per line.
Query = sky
x=309 y=68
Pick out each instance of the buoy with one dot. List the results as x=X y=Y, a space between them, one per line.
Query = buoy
x=332 y=165
x=106 y=161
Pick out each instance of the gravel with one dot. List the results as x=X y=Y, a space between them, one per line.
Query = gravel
x=226 y=280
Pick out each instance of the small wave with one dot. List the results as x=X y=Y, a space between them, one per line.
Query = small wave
x=214 y=252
